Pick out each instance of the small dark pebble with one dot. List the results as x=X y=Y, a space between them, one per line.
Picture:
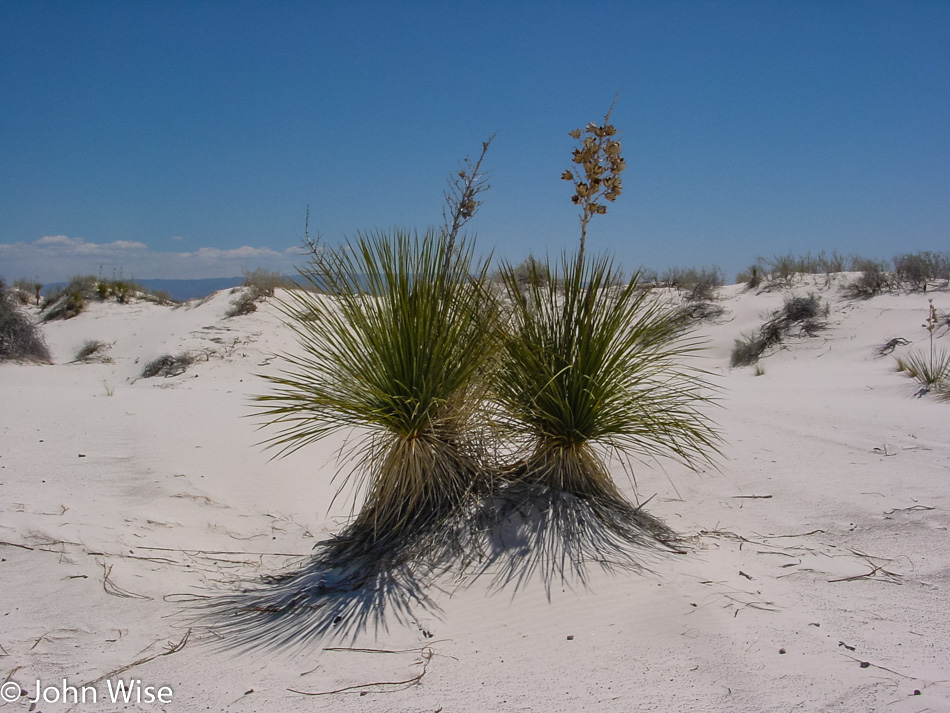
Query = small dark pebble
x=864 y=664
x=781 y=651
x=570 y=638
x=916 y=691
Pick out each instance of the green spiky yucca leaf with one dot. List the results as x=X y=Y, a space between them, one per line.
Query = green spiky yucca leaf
x=594 y=362
x=395 y=346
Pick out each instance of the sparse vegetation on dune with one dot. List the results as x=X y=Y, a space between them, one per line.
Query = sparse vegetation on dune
x=804 y=313
x=167 y=365
x=92 y=350
x=20 y=338
x=69 y=301
x=259 y=284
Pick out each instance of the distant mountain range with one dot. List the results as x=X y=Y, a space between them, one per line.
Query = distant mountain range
x=180 y=290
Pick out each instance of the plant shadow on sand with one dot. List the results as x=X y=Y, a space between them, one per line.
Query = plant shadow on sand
x=517 y=537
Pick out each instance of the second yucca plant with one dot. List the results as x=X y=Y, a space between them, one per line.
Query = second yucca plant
x=593 y=366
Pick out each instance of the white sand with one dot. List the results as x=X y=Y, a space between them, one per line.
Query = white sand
x=158 y=483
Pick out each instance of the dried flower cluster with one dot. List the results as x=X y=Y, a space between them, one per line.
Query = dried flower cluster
x=460 y=199
x=596 y=171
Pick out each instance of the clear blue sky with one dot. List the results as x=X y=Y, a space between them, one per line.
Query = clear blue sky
x=186 y=139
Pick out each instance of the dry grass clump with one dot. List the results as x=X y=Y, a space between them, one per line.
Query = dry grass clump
x=20 y=339
x=167 y=365
x=258 y=285
x=700 y=289
x=804 y=313
x=92 y=350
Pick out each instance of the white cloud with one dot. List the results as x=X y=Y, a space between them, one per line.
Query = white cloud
x=242 y=253
x=55 y=258
x=63 y=245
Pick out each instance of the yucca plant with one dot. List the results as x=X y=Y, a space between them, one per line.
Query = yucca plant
x=395 y=347
x=593 y=368
x=931 y=370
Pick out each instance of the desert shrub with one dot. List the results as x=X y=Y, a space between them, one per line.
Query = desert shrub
x=704 y=280
x=785 y=267
x=70 y=301
x=747 y=350
x=29 y=287
x=522 y=271
x=23 y=298
x=258 y=285
x=873 y=281
x=90 y=349
x=167 y=365
x=244 y=303
x=752 y=276
x=264 y=283
x=805 y=313
x=830 y=264
x=648 y=278
x=20 y=339
x=917 y=269
x=700 y=285
x=121 y=290
x=160 y=297
x=66 y=306
x=701 y=311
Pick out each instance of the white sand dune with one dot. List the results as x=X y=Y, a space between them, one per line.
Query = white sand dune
x=829 y=590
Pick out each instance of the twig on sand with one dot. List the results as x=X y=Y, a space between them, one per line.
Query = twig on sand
x=169 y=649
x=223 y=552
x=866 y=664
x=911 y=508
x=382 y=651
x=112 y=588
x=14 y=544
x=800 y=534
x=427 y=654
x=890 y=577
x=751 y=497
